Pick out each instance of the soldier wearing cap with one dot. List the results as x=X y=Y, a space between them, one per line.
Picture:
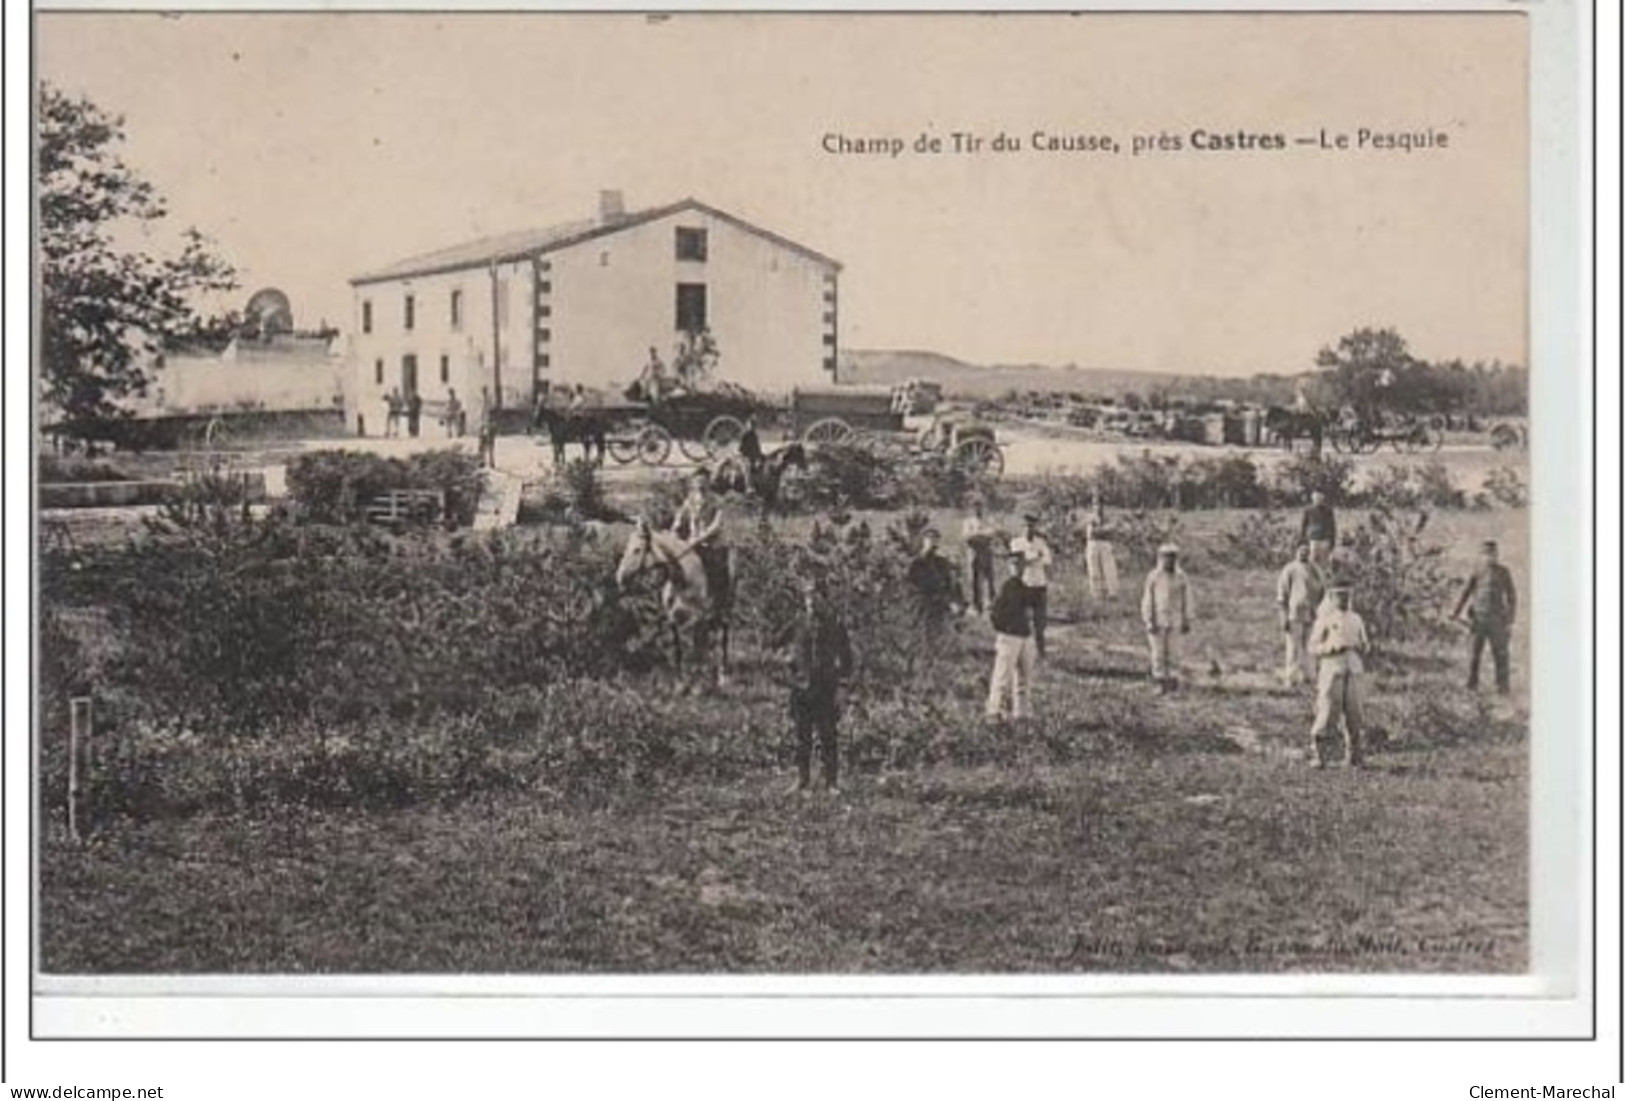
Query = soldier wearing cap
x=1319 y=529
x=1299 y=589
x=935 y=584
x=1013 y=658
x=820 y=659
x=1165 y=607
x=1339 y=640
x=1491 y=603
x=1037 y=559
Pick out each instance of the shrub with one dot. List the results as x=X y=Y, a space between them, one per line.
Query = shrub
x=1506 y=487
x=1294 y=480
x=576 y=491
x=1404 y=486
x=849 y=474
x=1262 y=538
x=334 y=487
x=1401 y=583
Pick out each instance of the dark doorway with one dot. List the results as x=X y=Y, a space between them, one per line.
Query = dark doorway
x=691 y=307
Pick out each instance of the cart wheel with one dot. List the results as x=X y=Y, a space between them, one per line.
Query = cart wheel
x=828 y=430
x=722 y=433
x=654 y=445
x=1503 y=436
x=623 y=449
x=980 y=455
x=693 y=450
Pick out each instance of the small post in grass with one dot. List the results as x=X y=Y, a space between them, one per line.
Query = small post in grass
x=79 y=733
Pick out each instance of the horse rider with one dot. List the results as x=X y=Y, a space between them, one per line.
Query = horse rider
x=699 y=522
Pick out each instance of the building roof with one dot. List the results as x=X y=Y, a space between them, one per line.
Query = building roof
x=509 y=247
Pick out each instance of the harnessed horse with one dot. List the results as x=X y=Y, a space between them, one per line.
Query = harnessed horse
x=1290 y=425
x=589 y=429
x=689 y=602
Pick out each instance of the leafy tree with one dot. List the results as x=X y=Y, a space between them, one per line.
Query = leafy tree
x=104 y=309
x=1370 y=369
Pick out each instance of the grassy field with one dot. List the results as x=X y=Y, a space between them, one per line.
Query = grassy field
x=1119 y=831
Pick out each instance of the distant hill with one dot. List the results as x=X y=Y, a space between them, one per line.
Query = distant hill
x=887 y=367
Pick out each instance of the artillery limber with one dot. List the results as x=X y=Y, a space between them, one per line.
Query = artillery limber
x=873 y=416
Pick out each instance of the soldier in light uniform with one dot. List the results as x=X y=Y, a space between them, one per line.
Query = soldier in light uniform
x=1165 y=608
x=1299 y=590
x=1339 y=640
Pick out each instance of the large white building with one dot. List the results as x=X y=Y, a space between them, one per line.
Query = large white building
x=584 y=303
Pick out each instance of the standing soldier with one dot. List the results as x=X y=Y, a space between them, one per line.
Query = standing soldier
x=1338 y=639
x=1100 y=557
x=487 y=429
x=1012 y=644
x=1037 y=559
x=1165 y=607
x=453 y=414
x=392 y=412
x=1319 y=529
x=979 y=535
x=820 y=661
x=414 y=413
x=750 y=449
x=1491 y=603
x=936 y=589
x=1298 y=591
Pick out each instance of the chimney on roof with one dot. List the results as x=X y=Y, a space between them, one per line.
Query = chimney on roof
x=611 y=207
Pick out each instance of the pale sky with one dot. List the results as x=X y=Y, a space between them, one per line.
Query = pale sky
x=314 y=147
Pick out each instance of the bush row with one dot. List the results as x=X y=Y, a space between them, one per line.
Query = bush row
x=865 y=475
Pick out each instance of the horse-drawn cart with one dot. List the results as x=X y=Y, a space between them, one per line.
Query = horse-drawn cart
x=1362 y=434
x=701 y=424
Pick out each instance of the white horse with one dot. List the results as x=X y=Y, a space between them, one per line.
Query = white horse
x=687 y=601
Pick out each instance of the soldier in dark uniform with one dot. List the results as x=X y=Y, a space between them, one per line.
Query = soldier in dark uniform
x=820 y=662
x=935 y=584
x=1491 y=603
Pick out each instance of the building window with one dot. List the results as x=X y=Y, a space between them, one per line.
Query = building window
x=544 y=360
x=603 y=259
x=378 y=372
x=545 y=287
x=690 y=244
x=409 y=375
x=544 y=265
x=456 y=310
x=829 y=364
x=690 y=307
x=829 y=338
x=502 y=303
x=366 y=316
x=410 y=315
x=829 y=317
x=544 y=335
x=445 y=368
x=544 y=311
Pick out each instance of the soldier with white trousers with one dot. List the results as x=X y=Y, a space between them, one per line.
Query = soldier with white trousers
x=1339 y=640
x=1298 y=591
x=1165 y=608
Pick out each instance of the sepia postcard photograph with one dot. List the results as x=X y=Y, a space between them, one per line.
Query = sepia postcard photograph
x=900 y=498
